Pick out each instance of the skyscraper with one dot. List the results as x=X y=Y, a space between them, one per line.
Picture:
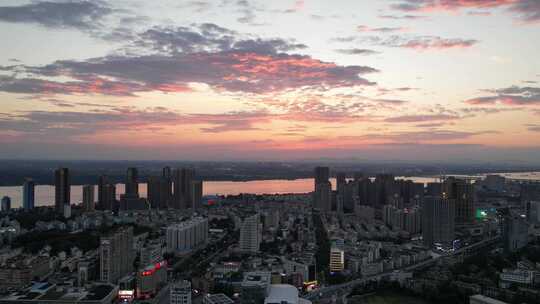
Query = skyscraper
x=463 y=192
x=154 y=191
x=116 y=255
x=102 y=181
x=438 y=221
x=132 y=184
x=341 y=181
x=322 y=175
x=515 y=231
x=62 y=189
x=28 y=195
x=88 y=198
x=182 y=188
x=108 y=197
x=250 y=234
x=166 y=195
x=6 y=204
x=322 y=195
x=196 y=194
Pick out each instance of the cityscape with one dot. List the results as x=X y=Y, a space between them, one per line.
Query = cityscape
x=451 y=240
x=269 y=152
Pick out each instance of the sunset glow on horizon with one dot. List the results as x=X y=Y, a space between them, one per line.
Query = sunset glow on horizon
x=271 y=80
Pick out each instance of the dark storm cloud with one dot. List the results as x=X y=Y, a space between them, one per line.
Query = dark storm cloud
x=58 y=14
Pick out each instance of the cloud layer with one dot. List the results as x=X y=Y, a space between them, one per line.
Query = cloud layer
x=526 y=10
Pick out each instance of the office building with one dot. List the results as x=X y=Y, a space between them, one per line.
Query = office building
x=116 y=255
x=6 y=204
x=438 y=222
x=28 y=194
x=184 y=237
x=88 y=198
x=255 y=287
x=180 y=292
x=250 y=234
x=337 y=256
x=62 y=189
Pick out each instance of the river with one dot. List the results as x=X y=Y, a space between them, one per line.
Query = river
x=44 y=194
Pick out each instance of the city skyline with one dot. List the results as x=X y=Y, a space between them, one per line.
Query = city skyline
x=415 y=80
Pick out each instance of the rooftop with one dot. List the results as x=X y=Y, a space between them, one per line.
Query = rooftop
x=281 y=294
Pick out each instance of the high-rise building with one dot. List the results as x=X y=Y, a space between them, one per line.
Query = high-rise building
x=131 y=200
x=250 y=234
x=62 y=189
x=196 y=194
x=322 y=195
x=188 y=235
x=6 y=204
x=132 y=183
x=154 y=191
x=341 y=180
x=533 y=212
x=166 y=188
x=102 y=182
x=88 y=198
x=322 y=175
x=28 y=194
x=116 y=255
x=406 y=219
x=182 y=179
x=438 y=221
x=180 y=292
x=463 y=192
x=108 y=197
x=515 y=231
x=337 y=256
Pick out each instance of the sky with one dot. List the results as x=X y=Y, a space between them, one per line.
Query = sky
x=409 y=80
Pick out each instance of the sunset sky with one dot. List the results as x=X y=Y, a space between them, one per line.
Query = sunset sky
x=448 y=80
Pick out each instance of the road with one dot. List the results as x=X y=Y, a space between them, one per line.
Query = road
x=328 y=291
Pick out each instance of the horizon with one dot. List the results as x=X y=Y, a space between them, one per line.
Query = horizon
x=407 y=81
